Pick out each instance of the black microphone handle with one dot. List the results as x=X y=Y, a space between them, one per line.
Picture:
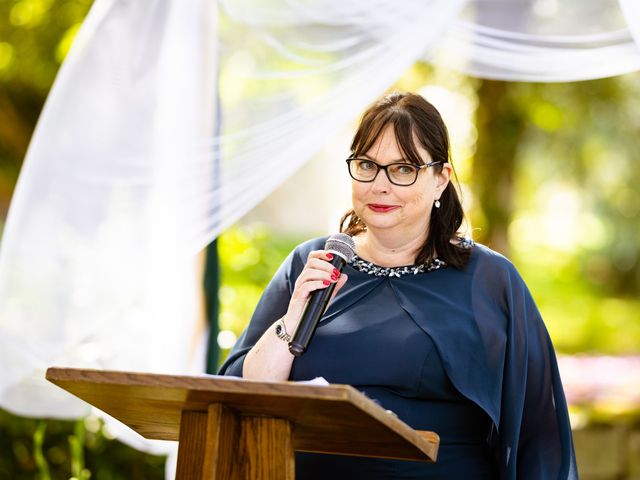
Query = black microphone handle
x=313 y=311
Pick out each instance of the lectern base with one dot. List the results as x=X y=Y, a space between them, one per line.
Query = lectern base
x=221 y=444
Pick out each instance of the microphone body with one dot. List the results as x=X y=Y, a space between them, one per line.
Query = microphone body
x=343 y=249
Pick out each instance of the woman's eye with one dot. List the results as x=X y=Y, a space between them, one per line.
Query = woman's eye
x=365 y=165
x=404 y=169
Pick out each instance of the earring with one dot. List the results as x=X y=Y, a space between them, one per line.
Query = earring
x=436 y=204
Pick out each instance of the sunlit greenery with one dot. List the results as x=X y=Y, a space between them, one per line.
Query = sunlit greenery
x=79 y=450
x=574 y=224
x=249 y=256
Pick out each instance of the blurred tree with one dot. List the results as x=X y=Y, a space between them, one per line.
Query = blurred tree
x=591 y=130
x=501 y=123
x=536 y=141
x=554 y=181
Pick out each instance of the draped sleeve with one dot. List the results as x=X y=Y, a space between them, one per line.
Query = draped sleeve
x=496 y=351
x=273 y=304
x=535 y=433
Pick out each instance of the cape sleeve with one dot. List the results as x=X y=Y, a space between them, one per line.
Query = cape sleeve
x=273 y=304
x=535 y=433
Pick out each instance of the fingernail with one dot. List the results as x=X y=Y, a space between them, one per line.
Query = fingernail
x=336 y=272
x=334 y=277
x=326 y=282
x=330 y=256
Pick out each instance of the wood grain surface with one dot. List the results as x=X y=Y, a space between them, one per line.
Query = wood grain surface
x=326 y=419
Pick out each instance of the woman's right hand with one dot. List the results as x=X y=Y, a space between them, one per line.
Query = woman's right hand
x=270 y=358
x=317 y=274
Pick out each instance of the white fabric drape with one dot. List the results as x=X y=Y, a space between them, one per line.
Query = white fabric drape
x=124 y=181
x=291 y=75
x=540 y=41
x=94 y=268
x=631 y=11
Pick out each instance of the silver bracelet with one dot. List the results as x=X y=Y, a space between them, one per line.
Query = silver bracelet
x=280 y=330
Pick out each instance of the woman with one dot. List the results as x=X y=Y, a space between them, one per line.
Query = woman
x=439 y=330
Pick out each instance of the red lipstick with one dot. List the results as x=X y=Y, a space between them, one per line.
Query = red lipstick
x=381 y=208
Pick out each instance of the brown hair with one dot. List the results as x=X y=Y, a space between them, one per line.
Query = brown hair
x=413 y=118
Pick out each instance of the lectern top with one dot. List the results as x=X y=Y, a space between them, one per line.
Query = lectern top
x=327 y=419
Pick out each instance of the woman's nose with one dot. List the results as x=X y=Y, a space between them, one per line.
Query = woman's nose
x=381 y=183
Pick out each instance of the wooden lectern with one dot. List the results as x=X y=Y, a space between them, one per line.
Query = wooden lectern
x=231 y=428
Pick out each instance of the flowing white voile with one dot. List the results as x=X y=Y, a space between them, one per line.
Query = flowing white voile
x=124 y=182
x=96 y=270
x=304 y=70
x=540 y=41
x=631 y=11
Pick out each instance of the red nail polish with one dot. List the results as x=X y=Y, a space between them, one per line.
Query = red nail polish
x=330 y=256
x=336 y=272
x=326 y=282
x=334 y=277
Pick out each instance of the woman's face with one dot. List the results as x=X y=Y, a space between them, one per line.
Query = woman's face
x=384 y=206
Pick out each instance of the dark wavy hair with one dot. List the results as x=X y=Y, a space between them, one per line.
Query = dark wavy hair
x=413 y=118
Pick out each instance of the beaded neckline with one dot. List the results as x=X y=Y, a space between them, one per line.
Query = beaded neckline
x=379 y=271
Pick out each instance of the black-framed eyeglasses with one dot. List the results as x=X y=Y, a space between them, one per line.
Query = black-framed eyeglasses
x=401 y=174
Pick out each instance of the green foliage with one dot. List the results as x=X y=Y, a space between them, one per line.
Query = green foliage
x=78 y=450
x=580 y=317
x=249 y=256
x=574 y=226
x=41 y=461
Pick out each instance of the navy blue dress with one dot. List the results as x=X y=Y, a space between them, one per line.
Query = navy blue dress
x=463 y=353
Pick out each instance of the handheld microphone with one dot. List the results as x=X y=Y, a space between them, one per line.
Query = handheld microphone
x=343 y=249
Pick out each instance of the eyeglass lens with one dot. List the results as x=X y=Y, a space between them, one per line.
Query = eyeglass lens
x=399 y=173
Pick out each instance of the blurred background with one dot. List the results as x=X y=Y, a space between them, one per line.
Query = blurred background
x=548 y=176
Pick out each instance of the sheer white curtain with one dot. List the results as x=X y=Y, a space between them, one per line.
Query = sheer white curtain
x=294 y=72
x=540 y=41
x=124 y=182
x=94 y=267
x=631 y=11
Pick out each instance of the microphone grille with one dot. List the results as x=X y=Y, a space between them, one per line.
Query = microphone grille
x=342 y=244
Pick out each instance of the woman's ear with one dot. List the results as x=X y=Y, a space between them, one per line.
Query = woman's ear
x=444 y=177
